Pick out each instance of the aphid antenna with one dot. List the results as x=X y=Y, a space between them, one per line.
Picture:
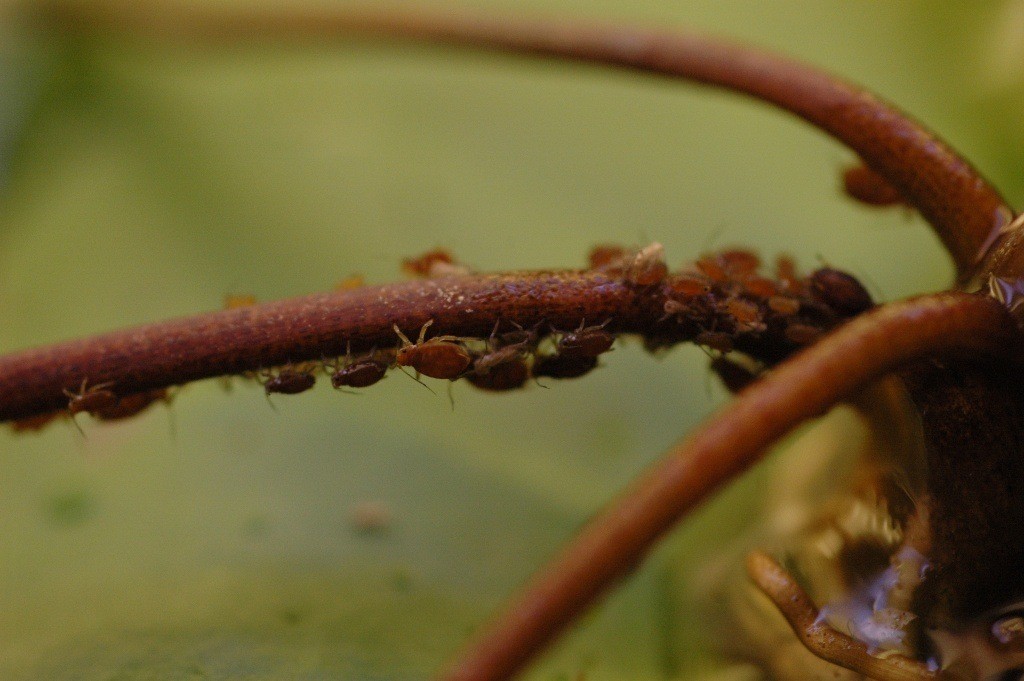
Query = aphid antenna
x=78 y=426
x=417 y=379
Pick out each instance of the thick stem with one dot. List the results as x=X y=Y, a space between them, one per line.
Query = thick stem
x=964 y=209
x=801 y=388
x=314 y=327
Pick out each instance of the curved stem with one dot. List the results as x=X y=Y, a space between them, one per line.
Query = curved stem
x=803 y=387
x=820 y=638
x=965 y=210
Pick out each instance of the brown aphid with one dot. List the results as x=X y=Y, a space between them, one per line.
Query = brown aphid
x=733 y=375
x=484 y=363
x=91 y=399
x=688 y=285
x=508 y=375
x=785 y=270
x=759 y=287
x=420 y=266
x=716 y=340
x=289 y=382
x=130 y=405
x=740 y=262
x=36 y=423
x=438 y=357
x=586 y=341
x=508 y=347
x=784 y=305
x=802 y=334
x=606 y=256
x=436 y=263
x=864 y=185
x=710 y=267
x=840 y=291
x=233 y=301
x=648 y=266
x=746 y=315
x=359 y=373
x=563 y=366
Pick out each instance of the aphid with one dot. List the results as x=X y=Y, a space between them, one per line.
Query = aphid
x=759 y=287
x=840 y=291
x=689 y=286
x=507 y=375
x=739 y=262
x=586 y=341
x=90 y=399
x=712 y=268
x=746 y=314
x=716 y=340
x=785 y=271
x=508 y=347
x=360 y=372
x=868 y=187
x=784 y=305
x=440 y=357
x=802 y=334
x=648 y=266
x=734 y=374
x=436 y=263
x=563 y=366
x=606 y=256
x=36 y=423
x=130 y=405
x=289 y=382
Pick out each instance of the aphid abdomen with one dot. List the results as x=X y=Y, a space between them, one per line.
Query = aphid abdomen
x=436 y=359
x=130 y=405
x=586 y=342
x=563 y=366
x=359 y=374
x=289 y=383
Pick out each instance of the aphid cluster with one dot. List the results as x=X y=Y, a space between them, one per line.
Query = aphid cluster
x=719 y=301
x=99 y=401
x=722 y=300
x=505 y=360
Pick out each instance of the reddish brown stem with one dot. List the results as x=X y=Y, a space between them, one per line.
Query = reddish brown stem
x=821 y=639
x=804 y=387
x=313 y=327
x=964 y=209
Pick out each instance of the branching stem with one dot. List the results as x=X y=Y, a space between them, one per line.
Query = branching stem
x=618 y=538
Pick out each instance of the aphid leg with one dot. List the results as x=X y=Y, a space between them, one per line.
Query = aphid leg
x=402 y=337
x=615 y=541
x=820 y=638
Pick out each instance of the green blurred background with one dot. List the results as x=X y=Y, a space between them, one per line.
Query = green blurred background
x=215 y=539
